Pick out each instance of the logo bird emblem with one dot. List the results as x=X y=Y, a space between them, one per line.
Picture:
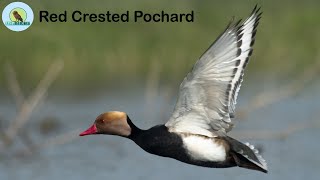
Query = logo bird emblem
x=17 y=16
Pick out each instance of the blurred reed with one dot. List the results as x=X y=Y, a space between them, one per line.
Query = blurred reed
x=296 y=85
x=24 y=108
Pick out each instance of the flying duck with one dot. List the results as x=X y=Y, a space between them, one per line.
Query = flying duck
x=197 y=131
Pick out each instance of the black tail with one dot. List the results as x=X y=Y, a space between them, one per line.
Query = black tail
x=246 y=156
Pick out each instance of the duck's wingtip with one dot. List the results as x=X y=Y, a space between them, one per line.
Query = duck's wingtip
x=262 y=162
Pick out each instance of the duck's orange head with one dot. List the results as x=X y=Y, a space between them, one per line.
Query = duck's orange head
x=112 y=123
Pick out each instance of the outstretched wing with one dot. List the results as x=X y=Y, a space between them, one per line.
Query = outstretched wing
x=208 y=94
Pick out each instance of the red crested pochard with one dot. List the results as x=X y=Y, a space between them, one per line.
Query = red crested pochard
x=197 y=131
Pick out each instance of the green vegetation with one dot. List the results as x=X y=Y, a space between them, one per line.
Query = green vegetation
x=99 y=53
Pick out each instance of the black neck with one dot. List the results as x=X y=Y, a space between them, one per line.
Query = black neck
x=135 y=131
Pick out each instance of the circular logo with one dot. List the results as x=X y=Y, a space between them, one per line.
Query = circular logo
x=17 y=16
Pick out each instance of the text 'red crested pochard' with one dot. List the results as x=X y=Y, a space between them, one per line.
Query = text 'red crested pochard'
x=197 y=131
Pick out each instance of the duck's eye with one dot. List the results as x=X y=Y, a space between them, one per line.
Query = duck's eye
x=100 y=120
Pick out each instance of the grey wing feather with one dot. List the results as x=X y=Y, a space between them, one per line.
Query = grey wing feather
x=207 y=95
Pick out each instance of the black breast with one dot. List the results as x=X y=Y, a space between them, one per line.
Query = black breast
x=159 y=141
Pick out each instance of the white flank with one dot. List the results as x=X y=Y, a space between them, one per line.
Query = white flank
x=204 y=149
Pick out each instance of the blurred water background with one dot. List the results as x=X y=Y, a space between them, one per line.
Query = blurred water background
x=55 y=78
